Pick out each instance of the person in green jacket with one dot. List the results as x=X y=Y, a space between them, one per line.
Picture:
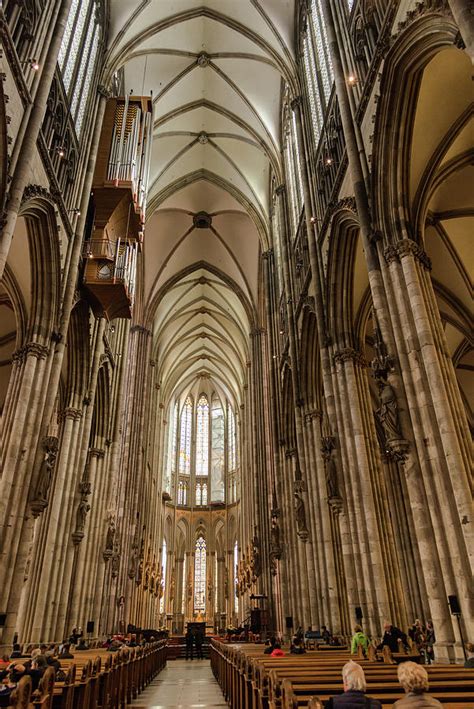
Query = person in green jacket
x=359 y=639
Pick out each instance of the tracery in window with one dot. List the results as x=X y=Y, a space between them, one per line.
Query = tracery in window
x=202 y=436
x=78 y=55
x=293 y=171
x=231 y=443
x=184 y=588
x=318 y=66
x=217 y=451
x=182 y=493
x=163 y=576
x=236 y=578
x=172 y=445
x=185 y=438
x=200 y=575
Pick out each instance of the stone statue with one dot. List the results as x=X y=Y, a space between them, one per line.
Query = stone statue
x=109 y=540
x=190 y=585
x=81 y=514
x=226 y=584
x=331 y=477
x=115 y=565
x=300 y=514
x=44 y=479
x=275 y=544
x=210 y=589
x=388 y=412
x=172 y=587
x=132 y=569
x=256 y=559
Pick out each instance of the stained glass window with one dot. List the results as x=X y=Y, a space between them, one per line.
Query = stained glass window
x=78 y=55
x=231 y=447
x=318 y=66
x=202 y=436
x=200 y=575
x=182 y=493
x=172 y=444
x=236 y=580
x=163 y=576
x=217 y=452
x=185 y=438
x=204 y=494
x=183 y=590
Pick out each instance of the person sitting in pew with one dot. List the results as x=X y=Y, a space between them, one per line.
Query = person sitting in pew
x=414 y=680
x=38 y=667
x=359 y=638
x=82 y=645
x=470 y=651
x=297 y=647
x=315 y=703
x=16 y=652
x=270 y=646
x=354 y=697
x=277 y=651
x=326 y=635
x=14 y=674
x=66 y=653
x=391 y=637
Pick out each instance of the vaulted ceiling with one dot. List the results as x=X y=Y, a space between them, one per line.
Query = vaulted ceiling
x=215 y=69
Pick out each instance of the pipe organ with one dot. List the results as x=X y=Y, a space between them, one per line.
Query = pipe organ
x=118 y=203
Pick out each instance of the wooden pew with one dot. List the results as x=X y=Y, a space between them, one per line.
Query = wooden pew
x=21 y=695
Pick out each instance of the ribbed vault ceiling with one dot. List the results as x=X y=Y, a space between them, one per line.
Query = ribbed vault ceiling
x=215 y=69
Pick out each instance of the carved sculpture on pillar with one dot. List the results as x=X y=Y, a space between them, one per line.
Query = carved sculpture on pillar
x=300 y=514
x=210 y=589
x=115 y=565
x=275 y=545
x=81 y=512
x=45 y=476
x=172 y=586
x=110 y=537
x=256 y=557
x=387 y=415
x=328 y=444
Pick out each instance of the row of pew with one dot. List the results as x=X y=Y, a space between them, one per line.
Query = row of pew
x=251 y=680
x=94 y=678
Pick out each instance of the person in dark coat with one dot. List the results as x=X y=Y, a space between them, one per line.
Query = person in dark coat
x=354 y=697
x=199 y=642
x=270 y=646
x=16 y=652
x=297 y=647
x=391 y=637
x=189 y=644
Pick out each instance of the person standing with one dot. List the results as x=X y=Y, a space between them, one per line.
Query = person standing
x=189 y=644
x=199 y=642
x=430 y=639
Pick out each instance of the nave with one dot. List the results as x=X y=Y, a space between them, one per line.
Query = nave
x=187 y=684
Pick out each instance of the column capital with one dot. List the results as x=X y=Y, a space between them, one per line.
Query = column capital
x=104 y=91
x=140 y=329
x=407 y=247
x=349 y=354
x=70 y=413
x=97 y=452
x=296 y=103
x=266 y=255
x=33 y=349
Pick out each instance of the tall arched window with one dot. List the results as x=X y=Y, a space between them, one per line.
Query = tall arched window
x=236 y=570
x=318 y=67
x=293 y=170
x=78 y=55
x=185 y=438
x=202 y=436
x=172 y=446
x=200 y=575
x=184 y=589
x=231 y=442
x=163 y=576
x=182 y=493
x=217 y=452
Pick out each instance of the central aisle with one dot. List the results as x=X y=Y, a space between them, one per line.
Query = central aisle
x=185 y=684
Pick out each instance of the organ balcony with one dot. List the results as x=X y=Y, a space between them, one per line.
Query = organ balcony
x=118 y=205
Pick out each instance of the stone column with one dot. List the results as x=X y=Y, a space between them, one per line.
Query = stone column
x=22 y=173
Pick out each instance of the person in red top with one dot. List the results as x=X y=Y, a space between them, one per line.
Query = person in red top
x=277 y=651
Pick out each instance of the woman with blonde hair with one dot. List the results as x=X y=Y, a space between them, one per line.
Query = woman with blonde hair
x=414 y=680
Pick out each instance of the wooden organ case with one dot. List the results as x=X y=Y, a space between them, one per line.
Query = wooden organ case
x=118 y=204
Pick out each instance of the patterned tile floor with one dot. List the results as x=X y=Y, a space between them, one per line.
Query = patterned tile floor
x=182 y=685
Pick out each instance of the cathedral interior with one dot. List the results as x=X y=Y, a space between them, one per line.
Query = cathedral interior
x=236 y=345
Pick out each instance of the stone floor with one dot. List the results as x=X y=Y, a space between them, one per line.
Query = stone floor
x=184 y=685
